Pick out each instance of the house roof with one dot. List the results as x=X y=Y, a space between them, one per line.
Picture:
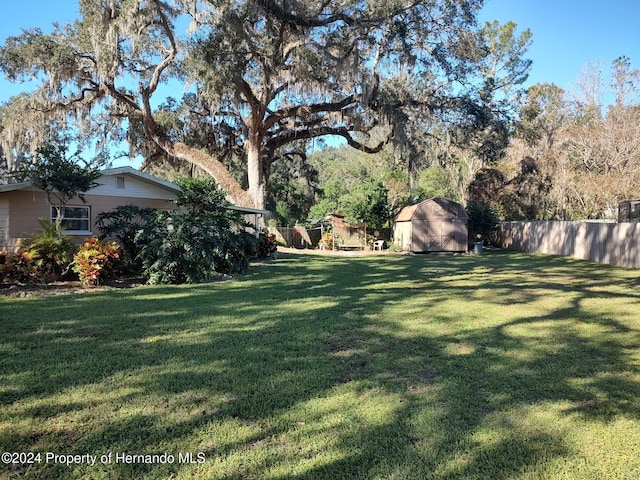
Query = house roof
x=106 y=173
x=10 y=187
x=248 y=210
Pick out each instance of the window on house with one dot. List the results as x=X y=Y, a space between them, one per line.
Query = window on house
x=75 y=219
x=119 y=182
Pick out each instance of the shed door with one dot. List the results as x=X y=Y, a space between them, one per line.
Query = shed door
x=460 y=235
x=429 y=238
x=448 y=239
x=440 y=236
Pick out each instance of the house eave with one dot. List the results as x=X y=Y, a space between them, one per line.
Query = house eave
x=10 y=187
x=240 y=209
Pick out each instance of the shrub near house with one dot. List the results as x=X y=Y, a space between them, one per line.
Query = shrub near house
x=189 y=244
x=185 y=245
x=44 y=256
x=48 y=254
x=96 y=260
x=123 y=224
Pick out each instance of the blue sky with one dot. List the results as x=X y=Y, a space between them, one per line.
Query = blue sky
x=566 y=33
x=26 y=14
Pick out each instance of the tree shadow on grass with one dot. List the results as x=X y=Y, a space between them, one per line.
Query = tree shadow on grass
x=304 y=369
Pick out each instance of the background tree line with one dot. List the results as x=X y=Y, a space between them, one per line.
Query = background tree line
x=573 y=154
x=565 y=155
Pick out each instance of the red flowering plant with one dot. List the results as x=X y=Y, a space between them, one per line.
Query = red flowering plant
x=20 y=267
x=96 y=260
x=266 y=245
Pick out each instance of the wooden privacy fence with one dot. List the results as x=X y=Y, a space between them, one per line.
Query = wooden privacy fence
x=613 y=243
x=297 y=237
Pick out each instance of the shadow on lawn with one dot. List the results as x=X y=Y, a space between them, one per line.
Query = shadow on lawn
x=307 y=328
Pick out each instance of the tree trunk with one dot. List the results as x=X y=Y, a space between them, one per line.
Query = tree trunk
x=257 y=181
x=235 y=193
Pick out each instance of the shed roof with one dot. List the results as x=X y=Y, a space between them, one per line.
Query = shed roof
x=409 y=212
x=406 y=213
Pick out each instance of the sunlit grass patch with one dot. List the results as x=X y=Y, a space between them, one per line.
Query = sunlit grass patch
x=503 y=365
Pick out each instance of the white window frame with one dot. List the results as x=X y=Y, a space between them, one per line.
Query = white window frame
x=70 y=231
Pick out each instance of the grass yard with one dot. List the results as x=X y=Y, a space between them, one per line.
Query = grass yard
x=500 y=366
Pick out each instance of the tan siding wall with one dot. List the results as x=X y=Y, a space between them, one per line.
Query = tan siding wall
x=25 y=208
x=134 y=187
x=402 y=235
x=4 y=221
x=612 y=243
x=431 y=236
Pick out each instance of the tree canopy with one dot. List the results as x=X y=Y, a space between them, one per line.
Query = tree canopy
x=260 y=74
x=573 y=155
x=60 y=177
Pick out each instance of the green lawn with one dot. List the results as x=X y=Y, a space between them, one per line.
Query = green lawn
x=504 y=365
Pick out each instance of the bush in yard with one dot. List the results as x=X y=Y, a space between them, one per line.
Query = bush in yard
x=122 y=224
x=194 y=244
x=238 y=248
x=201 y=195
x=43 y=256
x=267 y=245
x=52 y=251
x=191 y=247
x=483 y=221
x=21 y=267
x=3 y=261
x=96 y=260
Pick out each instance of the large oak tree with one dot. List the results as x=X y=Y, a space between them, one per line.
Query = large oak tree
x=264 y=74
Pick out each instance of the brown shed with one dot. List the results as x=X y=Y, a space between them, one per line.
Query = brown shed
x=434 y=225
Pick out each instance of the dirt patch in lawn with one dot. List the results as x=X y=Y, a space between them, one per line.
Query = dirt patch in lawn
x=65 y=287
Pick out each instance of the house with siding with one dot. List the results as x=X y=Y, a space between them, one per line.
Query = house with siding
x=21 y=204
